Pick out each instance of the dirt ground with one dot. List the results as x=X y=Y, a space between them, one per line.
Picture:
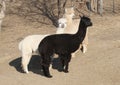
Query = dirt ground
x=99 y=66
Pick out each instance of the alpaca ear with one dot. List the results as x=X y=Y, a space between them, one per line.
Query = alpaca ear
x=72 y=7
x=65 y=10
x=80 y=16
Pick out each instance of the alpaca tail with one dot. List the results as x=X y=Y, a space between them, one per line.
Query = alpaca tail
x=20 y=45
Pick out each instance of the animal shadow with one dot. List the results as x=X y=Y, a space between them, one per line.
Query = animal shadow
x=56 y=64
x=35 y=64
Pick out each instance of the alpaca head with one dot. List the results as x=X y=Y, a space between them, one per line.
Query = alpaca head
x=62 y=23
x=69 y=12
x=86 y=21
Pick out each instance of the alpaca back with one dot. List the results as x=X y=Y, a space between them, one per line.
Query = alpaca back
x=31 y=42
x=60 y=44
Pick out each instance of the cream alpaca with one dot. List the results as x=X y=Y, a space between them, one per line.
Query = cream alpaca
x=72 y=27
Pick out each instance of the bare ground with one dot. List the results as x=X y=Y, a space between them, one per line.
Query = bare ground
x=99 y=66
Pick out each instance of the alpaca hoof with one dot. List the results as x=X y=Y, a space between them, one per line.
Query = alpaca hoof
x=60 y=70
x=26 y=72
x=49 y=76
x=84 y=49
x=66 y=71
x=50 y=67
x=73 y=56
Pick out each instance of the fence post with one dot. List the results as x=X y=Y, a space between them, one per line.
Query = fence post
x=2 y=12
x=114 y=6
x=100 y=7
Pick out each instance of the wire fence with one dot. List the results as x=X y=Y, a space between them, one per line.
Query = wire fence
x=48 y=10
x=13 y=6
x=109 y=7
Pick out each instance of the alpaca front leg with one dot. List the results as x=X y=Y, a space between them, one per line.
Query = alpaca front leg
x=85 y=43
x=73 y=55
x=84 y=48
x=66 y=68
x=46 y=71
x=45 y=66
x=0 y=24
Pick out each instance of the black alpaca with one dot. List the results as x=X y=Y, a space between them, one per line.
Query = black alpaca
x=63 y=45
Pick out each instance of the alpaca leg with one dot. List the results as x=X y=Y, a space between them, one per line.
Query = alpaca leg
x=62 y=58
x=67 y=63
x=65 y=59
x=0 y=24
x=62 y=62
x=85 y=43
x=84 y=48
x=50 y=67
x=46 y=71
x=51 y=61
x=46 y=60
x=25 y=62
x=73 y=55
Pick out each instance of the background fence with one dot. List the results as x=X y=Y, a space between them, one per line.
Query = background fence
x=38 y=10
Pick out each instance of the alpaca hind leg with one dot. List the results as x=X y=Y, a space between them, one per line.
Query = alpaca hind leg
x=74 y=54
x=25 y=62
x=85 y=43
x=67 y=63
x=65 y=59
x=0 y=25
x=62 y=60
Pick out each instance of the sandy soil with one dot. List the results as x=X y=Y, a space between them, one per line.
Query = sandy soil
x=99 y=66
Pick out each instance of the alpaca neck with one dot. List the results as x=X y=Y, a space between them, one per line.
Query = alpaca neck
x=69 y=24
x=69 y=19
x=80 y=35
x=2 y=12
x=2 y=15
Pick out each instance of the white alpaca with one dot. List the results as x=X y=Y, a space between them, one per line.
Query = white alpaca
x=2 y=12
